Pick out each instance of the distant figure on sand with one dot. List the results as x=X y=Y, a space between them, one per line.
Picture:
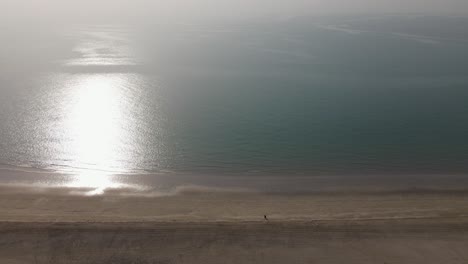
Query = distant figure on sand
x=266 y=218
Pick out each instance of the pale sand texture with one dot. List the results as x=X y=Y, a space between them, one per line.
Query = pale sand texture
x=197 y=204
x=200 y=226
x=351 y=242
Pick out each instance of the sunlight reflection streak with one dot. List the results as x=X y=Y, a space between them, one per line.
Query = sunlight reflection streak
x=95 y=129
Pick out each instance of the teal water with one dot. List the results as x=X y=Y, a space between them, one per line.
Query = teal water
x=335 y=96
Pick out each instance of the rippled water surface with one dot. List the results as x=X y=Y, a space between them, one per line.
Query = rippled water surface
x=296 y=98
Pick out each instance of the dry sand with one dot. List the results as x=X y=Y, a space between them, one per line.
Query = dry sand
x=53 y=226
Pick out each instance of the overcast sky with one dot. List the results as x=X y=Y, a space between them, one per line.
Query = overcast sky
x=188 y=9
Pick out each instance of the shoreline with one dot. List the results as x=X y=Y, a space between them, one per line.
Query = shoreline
x=211 y=226
x=194 y=204
x=13 y=178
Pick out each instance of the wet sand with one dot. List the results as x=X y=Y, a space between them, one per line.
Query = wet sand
x=202 y=226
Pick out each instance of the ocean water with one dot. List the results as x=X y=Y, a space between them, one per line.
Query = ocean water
x=380 y=97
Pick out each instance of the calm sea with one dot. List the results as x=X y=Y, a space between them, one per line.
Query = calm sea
x=342 y=96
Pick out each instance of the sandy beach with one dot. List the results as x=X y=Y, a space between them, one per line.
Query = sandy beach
x=202 y=226
x=415 y=241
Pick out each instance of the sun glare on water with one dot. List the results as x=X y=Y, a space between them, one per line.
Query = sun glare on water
x=97 y=111
x=94 y=120
x=94 y=128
